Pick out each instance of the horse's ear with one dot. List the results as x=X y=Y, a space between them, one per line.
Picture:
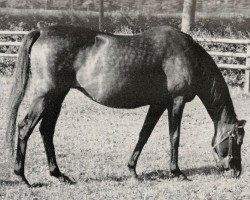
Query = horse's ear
x=241 y=123
x=98 y=39
x=101 y=39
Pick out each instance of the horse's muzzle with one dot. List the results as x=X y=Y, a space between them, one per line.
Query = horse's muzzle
x=235 y=165
x=229 y=163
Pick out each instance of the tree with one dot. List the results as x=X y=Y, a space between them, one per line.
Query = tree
x=188 y=15
x=140 y=4
x=48 y=4
x=101 y=14
x=72 y=4
x=3 y=3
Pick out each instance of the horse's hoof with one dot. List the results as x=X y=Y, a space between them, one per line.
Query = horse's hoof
x=183 y=177
x=132 y=171
x=133 y=179
x=65 y=179
x=23 y=180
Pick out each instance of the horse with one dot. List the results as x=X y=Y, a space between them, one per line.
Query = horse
x=162 y=68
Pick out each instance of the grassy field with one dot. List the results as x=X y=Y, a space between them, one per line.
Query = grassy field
x=93 y=144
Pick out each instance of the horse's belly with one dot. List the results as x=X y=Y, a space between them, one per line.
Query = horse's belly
x=119 y=90
x=119 y=76
x=113 y=93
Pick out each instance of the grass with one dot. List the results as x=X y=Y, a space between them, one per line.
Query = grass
x=93 y=144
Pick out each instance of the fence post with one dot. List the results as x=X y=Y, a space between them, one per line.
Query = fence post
x=247 y=71
x=101 y=14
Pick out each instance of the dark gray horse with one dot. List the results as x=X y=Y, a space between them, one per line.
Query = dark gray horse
x=163 y=68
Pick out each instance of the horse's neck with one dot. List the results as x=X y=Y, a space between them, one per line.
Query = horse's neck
x=216 y=98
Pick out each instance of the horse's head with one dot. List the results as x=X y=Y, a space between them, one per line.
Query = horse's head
x=227 y=146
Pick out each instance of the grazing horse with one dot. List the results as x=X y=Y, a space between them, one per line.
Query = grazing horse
x=162 y=67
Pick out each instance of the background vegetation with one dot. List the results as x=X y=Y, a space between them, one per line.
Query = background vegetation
x=173 y=6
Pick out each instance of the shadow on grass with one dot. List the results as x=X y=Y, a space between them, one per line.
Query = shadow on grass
x=165 y=174
x=158 y=175
x=38 y=185
x=204 y=170
x=155 y=175
x=16 y=182
x=107 y=178
x=8 y=182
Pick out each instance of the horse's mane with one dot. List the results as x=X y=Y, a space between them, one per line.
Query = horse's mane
x=213 y=90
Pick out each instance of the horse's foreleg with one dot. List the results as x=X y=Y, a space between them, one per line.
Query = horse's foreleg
x=47 y=128
x=175 y=115
x=152 y=118
x=25 y=129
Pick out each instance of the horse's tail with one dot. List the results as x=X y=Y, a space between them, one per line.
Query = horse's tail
x=21 y=79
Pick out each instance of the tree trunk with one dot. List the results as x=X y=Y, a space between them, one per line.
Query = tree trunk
x=48 y=4
x=101 y=14
x=72 y=4
x=188 y=15
x=140 y=5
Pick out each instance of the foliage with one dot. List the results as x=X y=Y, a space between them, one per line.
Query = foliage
x=162 y=6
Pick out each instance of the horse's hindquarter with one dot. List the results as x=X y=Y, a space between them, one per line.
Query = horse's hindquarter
x=53 y=56
x=123 y=72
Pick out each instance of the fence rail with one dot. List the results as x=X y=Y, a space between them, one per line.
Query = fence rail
x=246 y=55
x=13 y=32
x=11 y=55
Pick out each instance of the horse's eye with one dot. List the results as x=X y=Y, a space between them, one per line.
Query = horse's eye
x=241 y=131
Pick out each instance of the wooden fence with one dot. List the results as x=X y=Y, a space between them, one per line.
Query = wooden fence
x=11 y=43
x=245 y=55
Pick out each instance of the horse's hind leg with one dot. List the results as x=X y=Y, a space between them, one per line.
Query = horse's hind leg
x=47 y=129
x=25 y=129
x=153 y=115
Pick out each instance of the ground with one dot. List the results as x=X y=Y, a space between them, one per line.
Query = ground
x=93 y=144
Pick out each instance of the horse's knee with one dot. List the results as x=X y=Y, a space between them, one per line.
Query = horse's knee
x=175 y=139
x=23 y=132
